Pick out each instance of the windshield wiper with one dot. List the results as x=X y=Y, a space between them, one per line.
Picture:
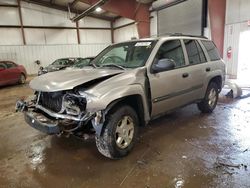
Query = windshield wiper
x=113 y=65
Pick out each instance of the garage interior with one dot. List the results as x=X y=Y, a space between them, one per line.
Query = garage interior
x=182 y=149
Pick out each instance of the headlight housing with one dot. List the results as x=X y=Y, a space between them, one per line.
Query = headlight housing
x=73 y=104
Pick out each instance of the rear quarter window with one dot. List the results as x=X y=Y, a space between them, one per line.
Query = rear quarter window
x=211 y=50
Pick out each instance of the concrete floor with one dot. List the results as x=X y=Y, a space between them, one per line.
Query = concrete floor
x=183 y=149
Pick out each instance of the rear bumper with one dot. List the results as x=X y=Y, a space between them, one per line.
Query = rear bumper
x=42 y=123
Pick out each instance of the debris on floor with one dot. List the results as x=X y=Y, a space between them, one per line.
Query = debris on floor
x=227 y=167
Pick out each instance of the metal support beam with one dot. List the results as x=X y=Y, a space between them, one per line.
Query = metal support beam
x=129 y=9
x=63 y=8
x=52 y=27
x=142 y=20
x=73 y=3
x=21 y=21
x=6 y=5
x=112 y=31
x=89 y=10
x=217 y=12
x=78 y=33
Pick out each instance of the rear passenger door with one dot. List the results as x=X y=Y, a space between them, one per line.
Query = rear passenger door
x=196 y=69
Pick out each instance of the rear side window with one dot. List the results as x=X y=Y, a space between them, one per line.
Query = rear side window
x=211 y=50
x=194 y=51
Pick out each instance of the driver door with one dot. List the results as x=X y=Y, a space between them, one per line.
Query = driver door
x=169 y=88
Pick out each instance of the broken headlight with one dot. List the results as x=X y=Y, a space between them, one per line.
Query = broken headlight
x=74 y=105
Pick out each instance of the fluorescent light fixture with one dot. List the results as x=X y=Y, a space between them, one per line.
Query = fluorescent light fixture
x=98 y=9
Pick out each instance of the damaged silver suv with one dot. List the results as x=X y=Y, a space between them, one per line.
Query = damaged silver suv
x=126 y=85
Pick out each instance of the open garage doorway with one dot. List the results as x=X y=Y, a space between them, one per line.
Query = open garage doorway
x=243 y=74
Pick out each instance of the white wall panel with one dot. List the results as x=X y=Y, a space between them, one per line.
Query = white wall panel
x=32 y=14
x=9 y=16
x=27 y=55
x=237 y=11
x=54 y=17
x=153 y=24
x=9 y=2
x=125 y=33
x=51 y=36
x=95 y=36
x=122 y=21
x=232 y=37
x=42 y=16
x=237 y=15
x=10 y=36
x=35 y=36
x=60 y=36
x=93 y=22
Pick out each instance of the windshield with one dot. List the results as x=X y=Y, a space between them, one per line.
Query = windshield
x=126 y=55
x=62 y=62
x=81 y=63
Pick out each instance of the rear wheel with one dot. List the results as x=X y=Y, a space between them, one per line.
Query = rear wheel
x=119 y=133
x=208 y=104
x=22 y=79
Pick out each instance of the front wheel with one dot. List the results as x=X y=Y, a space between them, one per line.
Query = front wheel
x=208 y=104
x=119 y=134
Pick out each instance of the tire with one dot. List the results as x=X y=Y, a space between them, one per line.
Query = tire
x=22 y=79
x=119 y=133
x=208 y=104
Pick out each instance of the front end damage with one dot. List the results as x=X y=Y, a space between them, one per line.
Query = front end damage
x=61 y=112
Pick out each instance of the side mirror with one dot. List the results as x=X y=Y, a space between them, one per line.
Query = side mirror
x=163 y=65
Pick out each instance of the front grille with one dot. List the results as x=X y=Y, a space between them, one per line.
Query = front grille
x=52 y=101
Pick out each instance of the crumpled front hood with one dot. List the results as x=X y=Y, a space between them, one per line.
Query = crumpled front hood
x=68 y=79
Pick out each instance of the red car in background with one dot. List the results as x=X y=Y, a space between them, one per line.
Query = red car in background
x=11 y=73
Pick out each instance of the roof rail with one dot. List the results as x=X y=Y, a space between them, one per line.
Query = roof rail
x=186 y=35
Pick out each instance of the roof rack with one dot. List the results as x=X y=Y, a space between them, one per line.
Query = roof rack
x=181 y=34
x=186 y=35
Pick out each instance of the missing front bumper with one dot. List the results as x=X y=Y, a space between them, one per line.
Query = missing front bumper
x=42 y=123
x=50 y=122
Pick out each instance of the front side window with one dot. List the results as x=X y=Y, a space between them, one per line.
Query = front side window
x=194 y=51
x=10 y=65
x=211 y=50
x=125 y=55
x=172 y=50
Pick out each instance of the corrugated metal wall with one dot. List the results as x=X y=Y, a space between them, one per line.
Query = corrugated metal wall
x=124 y=33
x=27 y=55
x=48 y=44
x=237 y=15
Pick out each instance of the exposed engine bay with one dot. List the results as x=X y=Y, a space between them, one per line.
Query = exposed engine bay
x=61 y=112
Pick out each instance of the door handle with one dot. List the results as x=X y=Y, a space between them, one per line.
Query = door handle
x=185 y=75
x=208 y=69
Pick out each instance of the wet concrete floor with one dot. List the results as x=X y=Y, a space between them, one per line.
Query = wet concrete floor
x=184 y=149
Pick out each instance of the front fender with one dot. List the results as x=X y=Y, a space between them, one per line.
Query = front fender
x=102 y=102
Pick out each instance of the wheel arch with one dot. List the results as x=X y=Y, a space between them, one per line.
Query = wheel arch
x=135 y=101
x=218 y=80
